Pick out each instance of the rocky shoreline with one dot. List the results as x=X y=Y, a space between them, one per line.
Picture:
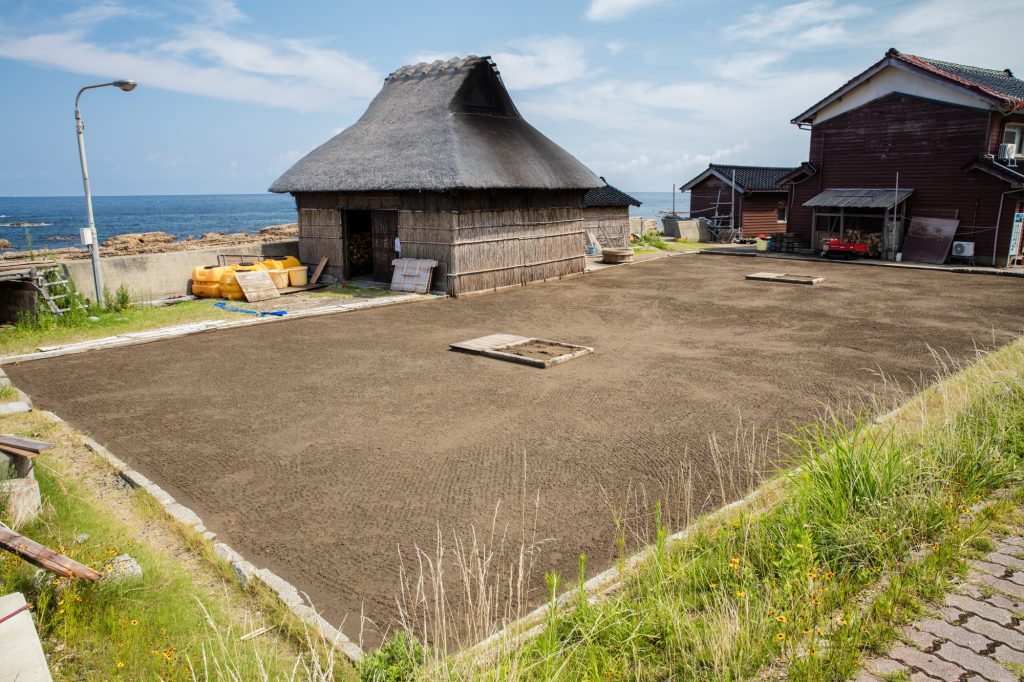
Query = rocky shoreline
x=157 y=242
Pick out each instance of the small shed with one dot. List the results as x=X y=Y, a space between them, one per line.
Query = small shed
x=751 y=199
x=442 y=160
x=606 y=214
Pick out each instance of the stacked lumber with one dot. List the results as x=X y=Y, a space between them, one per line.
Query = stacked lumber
x=872 y=239
x=360 y=251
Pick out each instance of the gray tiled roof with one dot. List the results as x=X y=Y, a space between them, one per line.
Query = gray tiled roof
x=1000 y=81
x=608 y=196
x=754 y=178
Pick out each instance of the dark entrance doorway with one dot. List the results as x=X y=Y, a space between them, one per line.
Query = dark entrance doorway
x=358 y=244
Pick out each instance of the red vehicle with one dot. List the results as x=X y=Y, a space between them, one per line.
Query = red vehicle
x=837 y=248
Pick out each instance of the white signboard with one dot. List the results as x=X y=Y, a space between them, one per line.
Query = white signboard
x=1018 y=227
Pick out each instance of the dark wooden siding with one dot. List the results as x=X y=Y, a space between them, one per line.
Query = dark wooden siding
x=760 y=212
x=928 y=143
x=704 y=196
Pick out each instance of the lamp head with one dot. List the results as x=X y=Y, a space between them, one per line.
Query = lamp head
x=126 y=85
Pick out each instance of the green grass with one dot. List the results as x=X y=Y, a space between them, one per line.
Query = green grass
x=160 y=627
x=47 y=330
x=816 y=573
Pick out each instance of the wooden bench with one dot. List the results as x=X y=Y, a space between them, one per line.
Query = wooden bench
x=21 y=452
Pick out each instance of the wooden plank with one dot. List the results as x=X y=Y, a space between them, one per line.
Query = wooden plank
x=44 y=557
x=318 y=271
x=18 y=452
x=35 y=446
x=785 y=278
x=257 y=286
x=491 y=342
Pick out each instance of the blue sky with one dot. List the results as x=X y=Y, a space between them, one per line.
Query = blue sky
x=645 y=92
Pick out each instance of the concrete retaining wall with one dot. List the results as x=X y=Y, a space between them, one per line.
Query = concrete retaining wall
x=157 y=275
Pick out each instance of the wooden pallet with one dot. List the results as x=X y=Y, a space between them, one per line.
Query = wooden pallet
x=257 y=286
x=785 y=278
x=501 y=347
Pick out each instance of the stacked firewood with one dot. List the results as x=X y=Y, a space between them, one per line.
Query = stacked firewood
x=360 y=250
x=872 y=239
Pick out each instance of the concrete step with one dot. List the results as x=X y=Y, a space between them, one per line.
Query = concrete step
x=21 y=653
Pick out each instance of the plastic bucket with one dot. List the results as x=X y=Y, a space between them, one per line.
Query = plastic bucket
x=280 y=278
x=299 y=276
x=762 y=244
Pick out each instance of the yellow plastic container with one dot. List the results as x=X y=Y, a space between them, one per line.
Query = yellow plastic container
x=206 y=280
x=298 y=276
x=271 y=264
x=280 y=278
x=289 y=262
x=248 y=267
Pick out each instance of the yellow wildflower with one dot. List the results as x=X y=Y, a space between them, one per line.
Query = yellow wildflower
x=741 y=593
x=780 y=636
x=120 y=664
x=780 y=618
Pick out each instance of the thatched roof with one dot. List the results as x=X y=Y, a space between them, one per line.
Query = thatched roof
x=440 y=126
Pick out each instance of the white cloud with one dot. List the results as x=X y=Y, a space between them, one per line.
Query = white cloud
x=801 y=24
x=539 y=62
x=615 y=46
x=943 y=29
x=610 y=10
x=533 y=63
x=204 y=58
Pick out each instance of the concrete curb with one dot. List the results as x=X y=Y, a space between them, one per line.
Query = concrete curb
x=244 y=571
x=965 y=270
x=164 y=333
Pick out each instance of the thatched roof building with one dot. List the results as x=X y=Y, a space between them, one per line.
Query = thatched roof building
x=606 y=214
x=443 y=160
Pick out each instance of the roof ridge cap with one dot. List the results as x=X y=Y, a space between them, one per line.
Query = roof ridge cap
x=436 y=67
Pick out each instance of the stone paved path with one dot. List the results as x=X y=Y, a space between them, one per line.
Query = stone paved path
x=976 y=634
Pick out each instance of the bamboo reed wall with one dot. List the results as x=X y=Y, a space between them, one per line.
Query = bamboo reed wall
x=481 y=239
x=608 y=224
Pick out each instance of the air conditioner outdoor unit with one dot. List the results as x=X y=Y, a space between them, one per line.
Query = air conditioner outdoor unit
x=963 y=249
x=1007 y=151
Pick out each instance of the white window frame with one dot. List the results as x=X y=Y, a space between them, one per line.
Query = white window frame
x=1018 y=135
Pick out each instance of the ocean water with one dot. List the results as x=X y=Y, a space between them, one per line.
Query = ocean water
x=653 y=203
x=55 y=220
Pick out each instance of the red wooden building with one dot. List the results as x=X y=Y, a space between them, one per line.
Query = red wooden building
x=953 y=135
x=747 y=198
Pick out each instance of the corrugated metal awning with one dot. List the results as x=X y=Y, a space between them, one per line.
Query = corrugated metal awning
x=859 y=198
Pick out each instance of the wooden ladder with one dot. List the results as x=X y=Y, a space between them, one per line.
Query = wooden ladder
x=54 y=285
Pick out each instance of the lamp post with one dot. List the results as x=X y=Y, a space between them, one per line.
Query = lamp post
x=97 y=274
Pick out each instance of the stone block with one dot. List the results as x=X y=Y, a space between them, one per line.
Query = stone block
x=121 y=568
x=15 y=407
x=22 y=501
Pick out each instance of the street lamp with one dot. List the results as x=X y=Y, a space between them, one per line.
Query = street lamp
x=97 y=275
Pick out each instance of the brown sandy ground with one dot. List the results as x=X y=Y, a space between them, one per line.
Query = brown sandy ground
x=318 y=447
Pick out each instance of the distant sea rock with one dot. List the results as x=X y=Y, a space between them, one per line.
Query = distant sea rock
x=138 y=238
x=4 y=244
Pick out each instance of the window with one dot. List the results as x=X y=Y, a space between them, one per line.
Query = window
x=780 y=212
x=1014 y=134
